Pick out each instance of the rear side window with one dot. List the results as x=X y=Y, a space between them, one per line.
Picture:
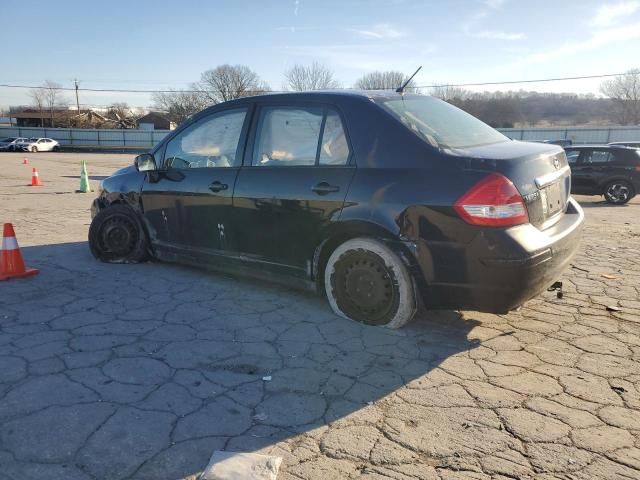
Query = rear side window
x=300 y=136
x=209 y=143
x=287 y=136
x=334 y=149
x=572 y=156
x=597 y=157
x=441 y=124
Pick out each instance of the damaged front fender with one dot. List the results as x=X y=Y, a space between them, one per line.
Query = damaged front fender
x=124 y=187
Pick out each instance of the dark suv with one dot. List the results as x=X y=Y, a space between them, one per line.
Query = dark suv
x=377 y=199
x=612 y=171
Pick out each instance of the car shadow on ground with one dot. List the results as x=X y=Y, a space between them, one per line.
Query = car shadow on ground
x=144 y=370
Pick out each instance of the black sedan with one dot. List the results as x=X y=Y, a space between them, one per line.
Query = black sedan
x=609 y=170
x=378 y=199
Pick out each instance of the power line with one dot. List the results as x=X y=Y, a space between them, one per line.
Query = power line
x=478 y=84
x=583 y=77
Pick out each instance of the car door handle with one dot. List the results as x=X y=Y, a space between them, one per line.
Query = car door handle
x=218 y=187
x=323 y=188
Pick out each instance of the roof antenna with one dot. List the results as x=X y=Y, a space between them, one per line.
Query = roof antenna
x=401 y=89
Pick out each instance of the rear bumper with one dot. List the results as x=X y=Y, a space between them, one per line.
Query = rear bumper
x=501 y=268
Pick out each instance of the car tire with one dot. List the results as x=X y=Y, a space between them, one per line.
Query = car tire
x=56 y=148
x=34 y=149
x=116 y=235
x=618 y=192
x=367 y=282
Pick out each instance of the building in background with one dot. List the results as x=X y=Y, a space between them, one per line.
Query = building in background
x=154 y=121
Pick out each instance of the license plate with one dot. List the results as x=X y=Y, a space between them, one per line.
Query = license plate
x=552 y=198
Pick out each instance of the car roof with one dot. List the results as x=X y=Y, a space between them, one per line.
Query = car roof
x=320 y=95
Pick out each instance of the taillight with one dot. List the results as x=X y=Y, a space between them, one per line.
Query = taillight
x=637 y=168
x=493 y=202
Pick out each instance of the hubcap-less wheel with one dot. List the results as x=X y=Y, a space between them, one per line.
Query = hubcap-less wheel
x=116 y=235
x=618 y=193
x=365 y=288
x=366 y=281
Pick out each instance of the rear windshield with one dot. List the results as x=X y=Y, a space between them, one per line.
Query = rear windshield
x=7 y=140
x=441 y=124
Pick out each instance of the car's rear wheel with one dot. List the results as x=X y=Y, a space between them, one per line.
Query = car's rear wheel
x=34 y=149
x=116 y=235
x=618 y=192
x=56 y=148
x=367 y=282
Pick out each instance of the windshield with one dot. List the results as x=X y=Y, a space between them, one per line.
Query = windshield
x=441 y=124
x=7 y=140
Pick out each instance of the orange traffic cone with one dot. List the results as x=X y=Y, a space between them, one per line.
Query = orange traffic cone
x=25 y=161
x=11 y=262
x=35 y=179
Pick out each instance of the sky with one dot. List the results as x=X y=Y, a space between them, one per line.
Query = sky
x=158 y=44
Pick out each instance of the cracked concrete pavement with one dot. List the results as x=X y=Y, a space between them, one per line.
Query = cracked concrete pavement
x=142 y=371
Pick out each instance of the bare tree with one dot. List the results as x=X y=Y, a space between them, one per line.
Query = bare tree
x=37 y=95
x=384 y=81
x=449 y=93
x=313 y=77
x=180 y=104
x=226 y=82
x=624 y=91
x=52 y=98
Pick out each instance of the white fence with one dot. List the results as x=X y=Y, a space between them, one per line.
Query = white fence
x=576 y=135
x=96 y=138
x=144 y=139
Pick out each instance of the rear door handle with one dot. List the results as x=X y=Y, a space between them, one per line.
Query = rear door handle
x=218 y=187
x=323 y=188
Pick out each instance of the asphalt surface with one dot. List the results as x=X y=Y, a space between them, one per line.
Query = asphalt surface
x=142 y=371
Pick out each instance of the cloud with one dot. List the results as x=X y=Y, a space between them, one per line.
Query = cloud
x=608 y=14
x=599 y=38
x=378 y=31
x=497 y=35
x=495 y=4
x=470 y=26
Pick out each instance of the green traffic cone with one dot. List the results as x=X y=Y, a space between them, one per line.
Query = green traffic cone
x=84 y=179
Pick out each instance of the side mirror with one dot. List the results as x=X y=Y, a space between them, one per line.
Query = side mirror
x=145 y=163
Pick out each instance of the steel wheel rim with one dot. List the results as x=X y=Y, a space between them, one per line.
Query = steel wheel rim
x=365 y=289
x=618 y=192
x=118 y=236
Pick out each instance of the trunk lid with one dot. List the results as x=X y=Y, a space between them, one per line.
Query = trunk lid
x=539 y=171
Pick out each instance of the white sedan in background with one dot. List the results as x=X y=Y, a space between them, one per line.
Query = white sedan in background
x=38 y=145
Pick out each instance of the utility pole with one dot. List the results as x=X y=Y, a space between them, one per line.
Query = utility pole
x=77 y=101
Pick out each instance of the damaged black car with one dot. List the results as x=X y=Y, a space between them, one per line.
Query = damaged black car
x=380 y=200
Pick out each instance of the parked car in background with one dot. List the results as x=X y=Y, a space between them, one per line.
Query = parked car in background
x=9 y=143
x=609 y=170
x=376 y=199
x=625 y=144
x=38 y=145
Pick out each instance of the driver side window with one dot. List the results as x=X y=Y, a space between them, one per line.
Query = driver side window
x=209 y=143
